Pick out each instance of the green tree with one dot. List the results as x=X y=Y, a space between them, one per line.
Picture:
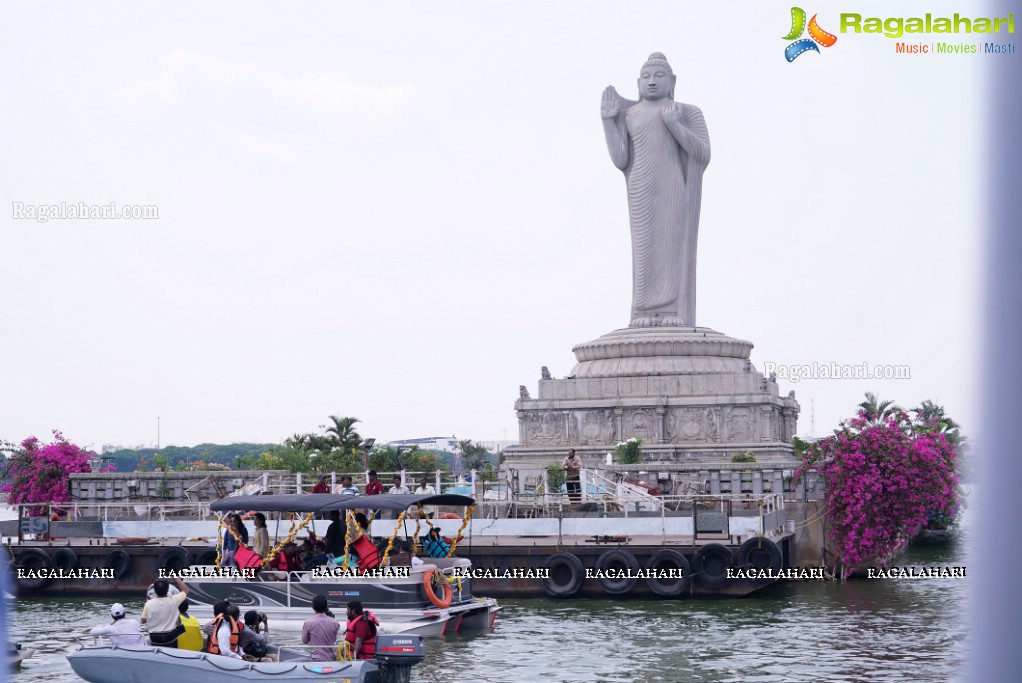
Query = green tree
x=555 y=477
x=878 y=412
x=474 y=454
x=342 y=433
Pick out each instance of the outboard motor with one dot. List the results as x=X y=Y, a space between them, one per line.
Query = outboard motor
x=396 y=655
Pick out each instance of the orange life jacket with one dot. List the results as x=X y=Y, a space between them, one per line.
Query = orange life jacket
x=368 y=650
x=214 y=647
x=368 y=555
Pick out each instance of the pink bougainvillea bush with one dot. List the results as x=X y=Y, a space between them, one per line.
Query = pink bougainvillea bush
x=882 y=479
x=38 y=472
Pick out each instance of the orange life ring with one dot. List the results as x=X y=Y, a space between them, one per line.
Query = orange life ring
x=427 y=585
x=132 y=539
x=448 y=515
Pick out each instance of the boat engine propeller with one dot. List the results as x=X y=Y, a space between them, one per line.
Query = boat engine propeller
x=396 y=655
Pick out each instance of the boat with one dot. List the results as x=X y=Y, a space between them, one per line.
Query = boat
x=431 y=599
x=16 y=655
x=395 y=656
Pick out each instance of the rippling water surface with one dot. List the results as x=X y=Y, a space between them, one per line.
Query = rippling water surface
x=862 y=630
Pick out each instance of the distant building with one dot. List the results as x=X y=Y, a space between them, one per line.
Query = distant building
x=431 y=443
x=496 y=446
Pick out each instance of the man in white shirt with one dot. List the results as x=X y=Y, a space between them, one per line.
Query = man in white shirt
x=426 y=489
x=120 y=631
x=398 y=487
x=161 y=615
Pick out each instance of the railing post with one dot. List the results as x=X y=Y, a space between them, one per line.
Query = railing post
x=298 y=489
x=582 y=482
x=472 y=473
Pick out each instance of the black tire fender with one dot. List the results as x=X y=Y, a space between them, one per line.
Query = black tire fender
x=710 y=565
x=65 y=559
x=120 y=561
x=760 y=553
x=174 y=559
x=206 y=557
x=668 y=587
x=566 y=575
x=33 y=559
x=616 y=560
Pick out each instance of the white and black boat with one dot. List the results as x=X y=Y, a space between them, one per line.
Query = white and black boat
x=434 y=598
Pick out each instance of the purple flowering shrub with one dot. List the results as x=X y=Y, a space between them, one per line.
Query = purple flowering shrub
x=883 y=478
x=38 y=472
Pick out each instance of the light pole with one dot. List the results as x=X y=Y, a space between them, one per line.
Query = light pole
x=367 y=446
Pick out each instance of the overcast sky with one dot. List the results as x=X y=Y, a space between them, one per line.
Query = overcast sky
x=400 y=213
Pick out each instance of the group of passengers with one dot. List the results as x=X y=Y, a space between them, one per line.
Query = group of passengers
x=315 y=552
x=169 y=625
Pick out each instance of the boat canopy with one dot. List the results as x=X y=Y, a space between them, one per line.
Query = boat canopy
x=325 y=502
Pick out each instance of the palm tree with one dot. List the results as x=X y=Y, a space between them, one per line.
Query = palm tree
x=932 y=417
x=877 y=412
x=343 y=435
x=475 y=455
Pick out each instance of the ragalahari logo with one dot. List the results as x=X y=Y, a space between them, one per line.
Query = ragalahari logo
x=816 y=35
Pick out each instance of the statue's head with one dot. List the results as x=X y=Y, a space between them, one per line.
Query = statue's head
x=656 y=78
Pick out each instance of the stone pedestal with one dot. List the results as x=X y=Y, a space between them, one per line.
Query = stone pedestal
x=690 y=393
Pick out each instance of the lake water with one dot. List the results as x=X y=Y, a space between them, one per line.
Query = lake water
x=862 y=630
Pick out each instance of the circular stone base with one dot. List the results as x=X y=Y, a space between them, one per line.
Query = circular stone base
x=650 y=351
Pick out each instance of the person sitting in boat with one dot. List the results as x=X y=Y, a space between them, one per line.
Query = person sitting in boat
x=191 y=639
x=250 y=640
x=318 y=556
x=361 y=631
x=121 y=631
x=226 y=634
x=161 y=616
x=289 y=560
x=321 y=630
x=400 y=557
x=207 y=628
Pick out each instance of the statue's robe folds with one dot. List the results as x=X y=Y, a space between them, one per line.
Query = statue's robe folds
x=664 y=192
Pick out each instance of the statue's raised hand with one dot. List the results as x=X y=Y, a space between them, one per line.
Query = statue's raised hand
x=671 y=112
x=610 y=106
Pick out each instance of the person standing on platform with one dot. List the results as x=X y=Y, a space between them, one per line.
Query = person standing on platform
x=375 y=486
x=347 y=488
x=321 y=486
x=398 y=488
x=426 y=489
x=572 y=465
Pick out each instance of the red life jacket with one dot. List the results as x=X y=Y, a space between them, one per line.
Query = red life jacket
x=368 y=650
x=213 y=647
x=368 y=555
